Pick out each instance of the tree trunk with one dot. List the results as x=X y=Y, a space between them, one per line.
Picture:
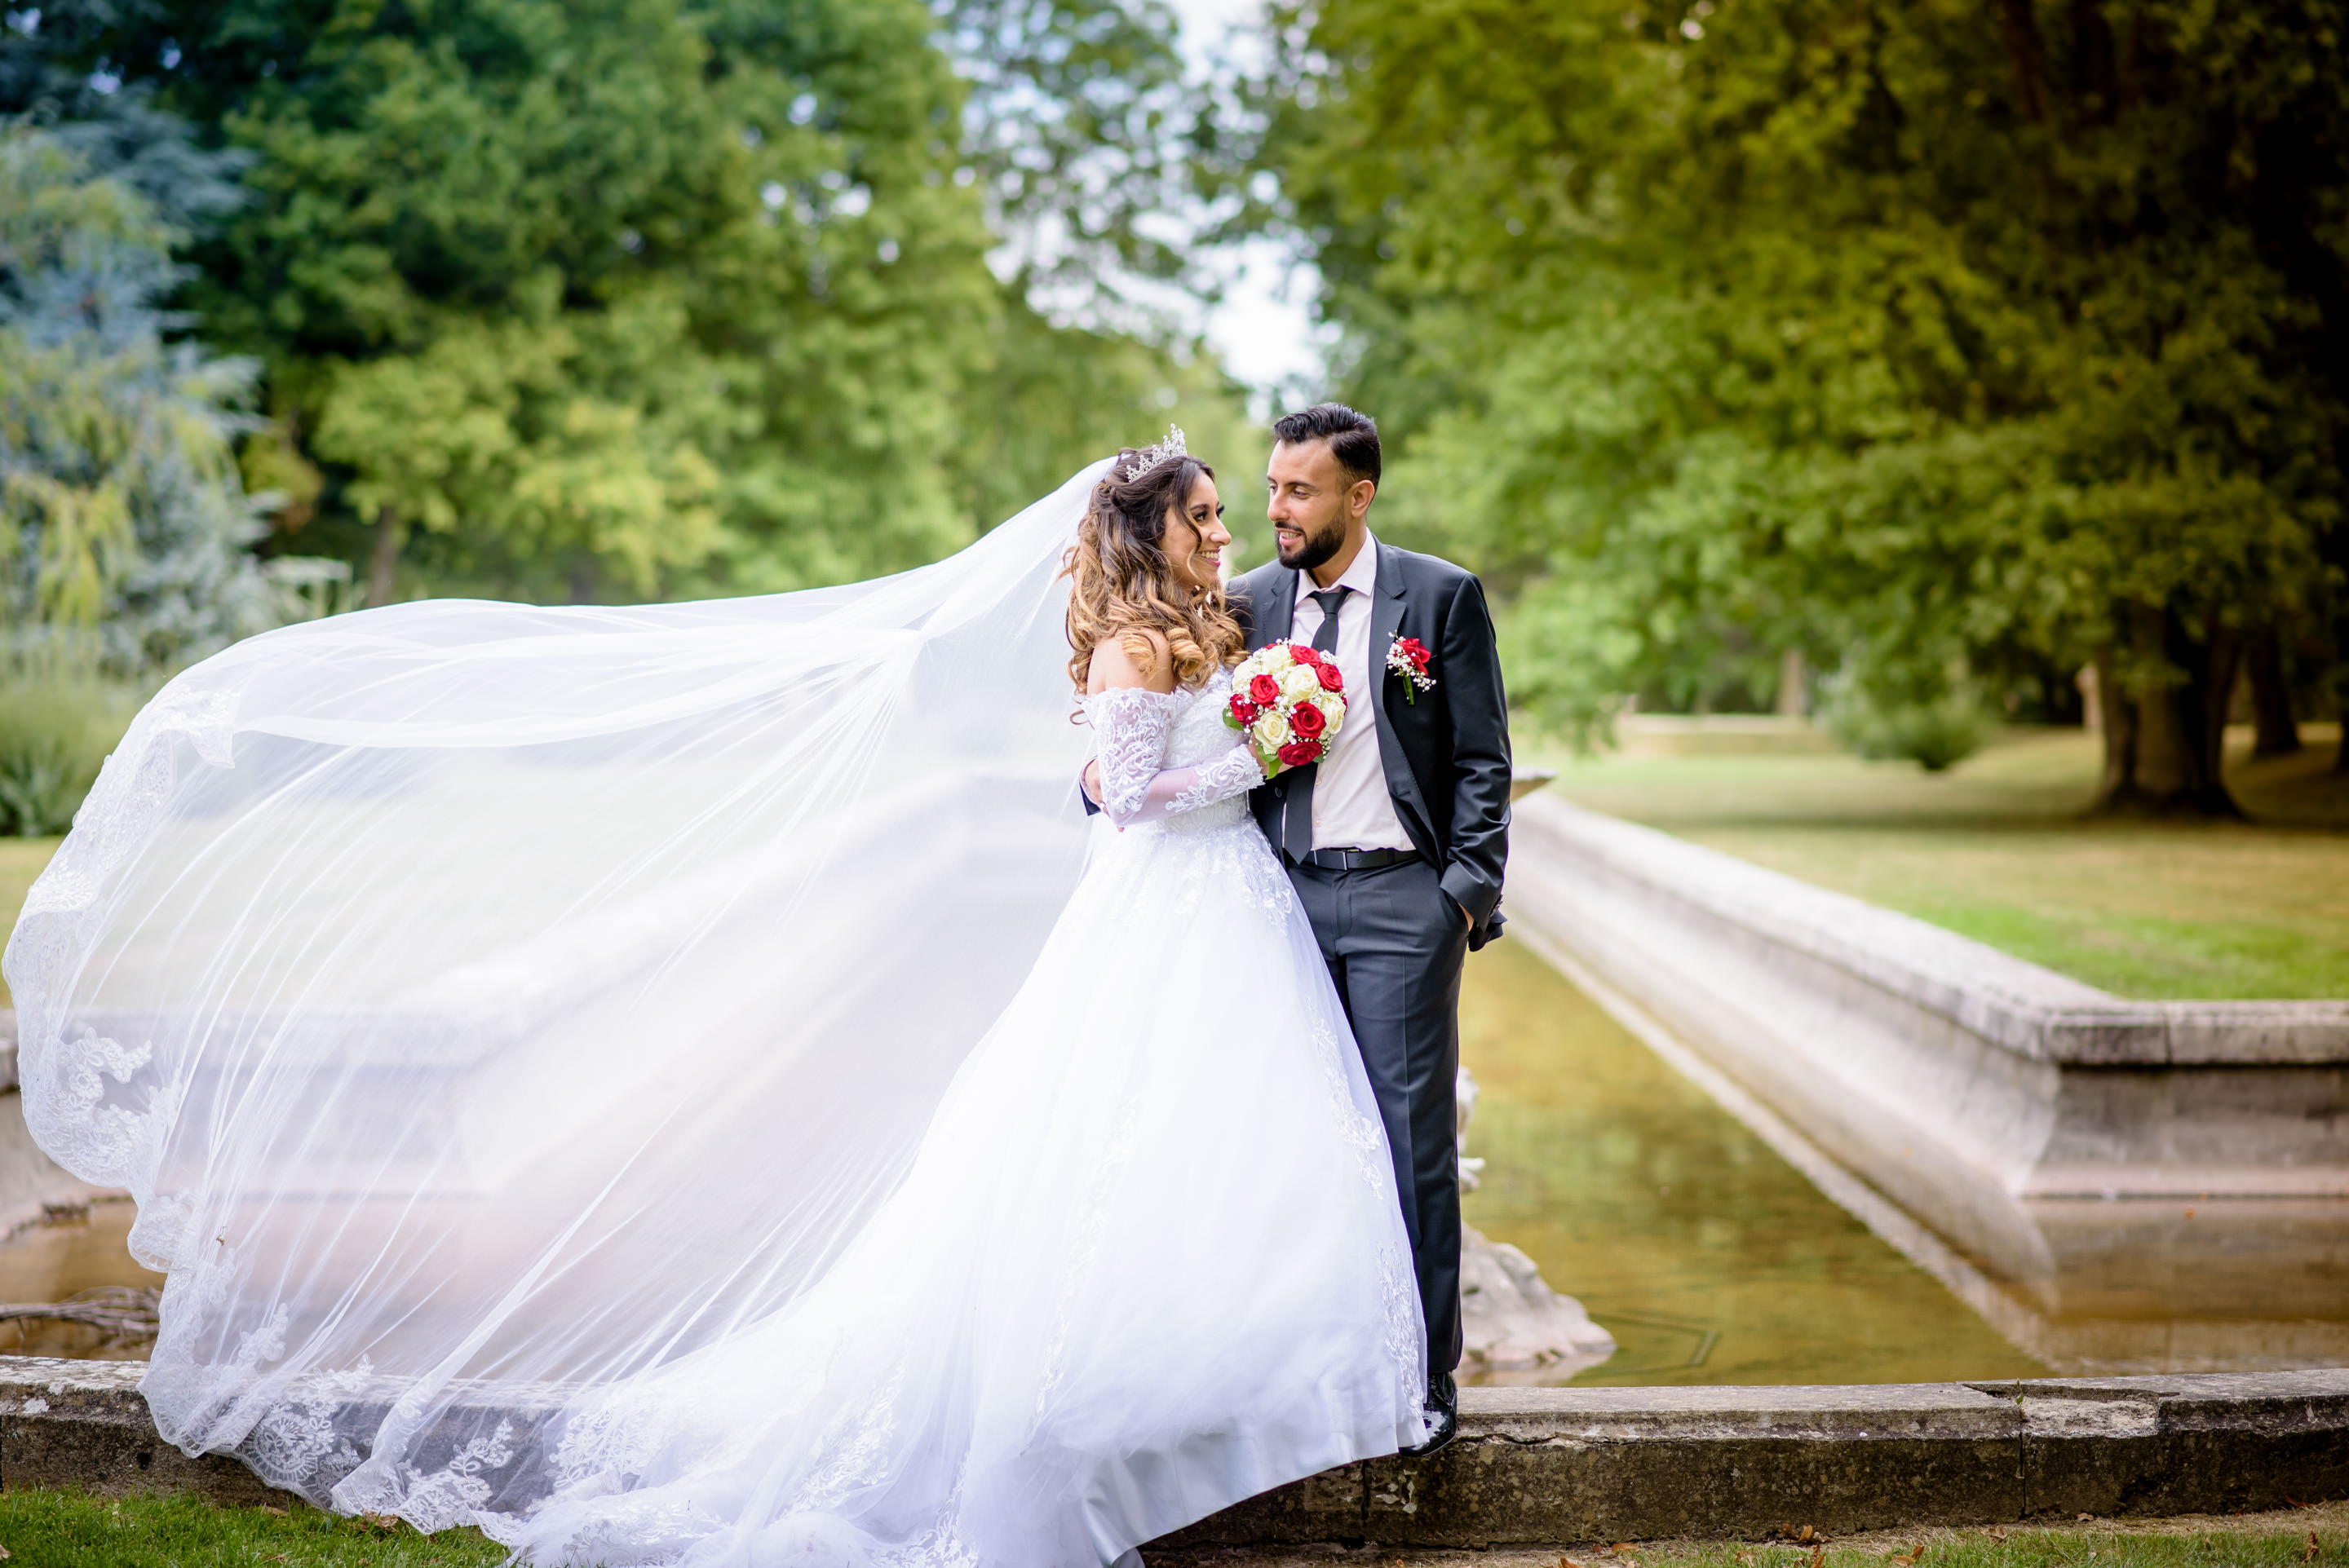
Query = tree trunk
x=2026 y=58
x=2166 y=724
x=1794 y=701
x=2278 y=735
x=383 y=565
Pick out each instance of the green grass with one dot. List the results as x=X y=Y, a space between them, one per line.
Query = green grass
x=1998 y=849
x=41 y=1528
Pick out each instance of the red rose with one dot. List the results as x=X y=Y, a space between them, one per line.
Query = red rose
x=1298 y=753
x=1307 y=721
x=1264 y=690
x=1331 y=679
x=1244 y=712
x=1305 y=653
x=1414 y=651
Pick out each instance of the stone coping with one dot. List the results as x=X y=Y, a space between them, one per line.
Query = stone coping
x=2031 y=1011
x=1558 y=1465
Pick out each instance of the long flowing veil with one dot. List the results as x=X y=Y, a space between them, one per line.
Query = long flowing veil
x=487 y=1004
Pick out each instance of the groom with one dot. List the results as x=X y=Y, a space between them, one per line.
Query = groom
x=1396 y=840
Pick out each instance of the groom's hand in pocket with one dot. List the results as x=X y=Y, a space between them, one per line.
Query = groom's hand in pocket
x=1091 y=782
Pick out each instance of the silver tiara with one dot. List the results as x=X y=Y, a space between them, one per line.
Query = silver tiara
x=1150 y=458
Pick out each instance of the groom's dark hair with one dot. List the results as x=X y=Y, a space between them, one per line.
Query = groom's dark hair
x=1353 y=438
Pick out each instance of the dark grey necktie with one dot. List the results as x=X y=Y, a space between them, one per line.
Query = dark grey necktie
x=1297 y=811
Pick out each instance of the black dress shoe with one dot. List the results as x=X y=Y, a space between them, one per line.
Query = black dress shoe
x=1442 y=1416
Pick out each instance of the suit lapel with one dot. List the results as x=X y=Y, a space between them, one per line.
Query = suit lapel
x=1279 y=615
x=1387 y=603
x=1386 y=620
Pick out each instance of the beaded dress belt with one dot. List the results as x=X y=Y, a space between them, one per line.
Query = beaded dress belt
x=1358 y=859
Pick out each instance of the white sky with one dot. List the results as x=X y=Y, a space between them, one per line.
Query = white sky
x=1263 y=330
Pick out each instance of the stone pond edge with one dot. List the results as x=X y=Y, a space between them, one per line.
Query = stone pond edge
x=1566 y=1465
x=2029 y=1010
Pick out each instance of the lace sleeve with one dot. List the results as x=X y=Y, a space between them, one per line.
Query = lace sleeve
x=1130 y=727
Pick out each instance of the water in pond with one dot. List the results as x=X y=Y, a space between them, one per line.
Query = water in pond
x=75 y=1251
x=1709 y=1258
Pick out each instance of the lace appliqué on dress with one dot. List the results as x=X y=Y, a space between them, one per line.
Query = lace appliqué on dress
x=1236 y=772
x=1165 y=756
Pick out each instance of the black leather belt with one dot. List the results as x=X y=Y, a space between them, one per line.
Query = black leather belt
x=1359 y=859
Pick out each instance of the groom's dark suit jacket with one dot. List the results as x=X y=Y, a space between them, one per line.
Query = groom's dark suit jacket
x=1446 y=754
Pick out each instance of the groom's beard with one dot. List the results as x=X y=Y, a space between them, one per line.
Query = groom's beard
x=1316 y=551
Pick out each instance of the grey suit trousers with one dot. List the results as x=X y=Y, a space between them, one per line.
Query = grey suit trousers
x=1396 y=940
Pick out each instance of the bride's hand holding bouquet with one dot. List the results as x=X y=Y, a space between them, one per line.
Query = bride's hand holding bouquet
x=1289 y=702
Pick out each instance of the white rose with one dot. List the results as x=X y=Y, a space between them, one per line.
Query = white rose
x=1300 y=684
x=1272 y=731
x=1333 y=710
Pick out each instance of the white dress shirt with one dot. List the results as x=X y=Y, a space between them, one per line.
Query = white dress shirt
x=1352 y=807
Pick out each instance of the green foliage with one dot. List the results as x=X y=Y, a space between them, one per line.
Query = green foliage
x=628 y=297
x=548 y=272
x=1059 y=397
x=1906 y=708
x=119 y=501
x=60 y=715
x=1718 y=330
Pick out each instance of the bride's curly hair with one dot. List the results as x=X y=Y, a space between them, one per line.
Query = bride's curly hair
x=1121 y=582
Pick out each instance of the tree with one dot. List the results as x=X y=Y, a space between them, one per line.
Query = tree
x=120 y=508
x=1967 y=346
x=629 y=297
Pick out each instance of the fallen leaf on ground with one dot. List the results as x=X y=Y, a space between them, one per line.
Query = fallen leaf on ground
x=1806 y=1534
x=267 y=1508
x=1818 y=1553
x=1567 y=1563
x=2085 y=1517
x=1622 y=1548
x=2310 y=1555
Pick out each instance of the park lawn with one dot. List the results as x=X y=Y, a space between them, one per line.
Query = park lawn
x=1997 y=849
x=41 y=1527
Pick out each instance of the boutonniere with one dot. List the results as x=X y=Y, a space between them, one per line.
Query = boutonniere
x=1408 y=656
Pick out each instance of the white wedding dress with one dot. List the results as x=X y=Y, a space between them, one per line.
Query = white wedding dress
x=1148 y=1261
x=687 y=1085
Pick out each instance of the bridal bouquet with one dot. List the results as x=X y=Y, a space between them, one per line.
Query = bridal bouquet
x=1289 y=701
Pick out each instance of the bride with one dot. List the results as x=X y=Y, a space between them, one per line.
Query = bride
x=681 y=1085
